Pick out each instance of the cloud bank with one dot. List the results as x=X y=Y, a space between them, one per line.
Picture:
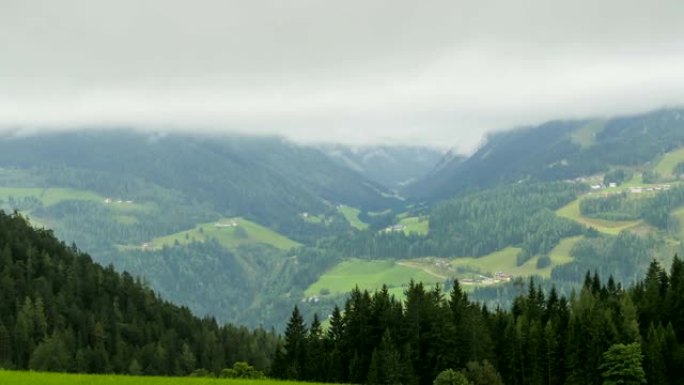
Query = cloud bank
x=420 y=72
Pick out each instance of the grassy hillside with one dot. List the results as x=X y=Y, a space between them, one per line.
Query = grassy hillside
x=351 y=214
x=416 y=225
x=369 y=275
x=585 y=136
x=667 y=163
x=229 y=232
x=572 y=211
x=49 y=196
x=40 y=378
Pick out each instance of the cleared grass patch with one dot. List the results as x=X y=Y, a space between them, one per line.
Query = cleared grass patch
x=369 y=275
x=668 y=162
x=572 y=211
x=586 y=135
x=229 y=232
x=351 y=214
x=40 y=378
x=416 y=225
x=49 y=196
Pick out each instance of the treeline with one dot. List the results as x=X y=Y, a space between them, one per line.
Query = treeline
x=481 y=223
x=656 y=210
x=59 y=311
x=543 y=339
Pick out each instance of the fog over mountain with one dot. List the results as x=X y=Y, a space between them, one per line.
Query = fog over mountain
x=432 y=72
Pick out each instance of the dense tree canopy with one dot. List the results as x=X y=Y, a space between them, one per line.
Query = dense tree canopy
x=59 y=311
x=597 y=335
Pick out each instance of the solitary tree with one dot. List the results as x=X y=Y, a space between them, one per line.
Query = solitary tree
x=622 y=365
x=451 y=377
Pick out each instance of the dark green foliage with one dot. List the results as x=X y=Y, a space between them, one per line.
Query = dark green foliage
x=543 y=262
x=618 y=207
x=241 y=369
x=622 y=365
x=544 y=339
x=451 y=377
x=483 y=373
x=62 y=312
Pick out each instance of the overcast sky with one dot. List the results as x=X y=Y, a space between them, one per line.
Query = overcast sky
x=419 y=71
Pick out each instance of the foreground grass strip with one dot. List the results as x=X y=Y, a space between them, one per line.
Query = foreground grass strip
x=40 y=378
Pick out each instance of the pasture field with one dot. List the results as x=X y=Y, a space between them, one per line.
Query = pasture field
x=416 y=225
x=229 y=232
x=370 y=275
x=586 y=136
x=561 y=254
x=49 y=196
x=502 y=260
x=668 y=162
x=40 y=378
x=505 y=261
x=53 y=195
x=572 y=211
x=351 y=214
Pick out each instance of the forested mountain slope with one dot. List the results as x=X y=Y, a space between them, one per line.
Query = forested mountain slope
x=557 y=150
x=59 y=311
x=267 y=180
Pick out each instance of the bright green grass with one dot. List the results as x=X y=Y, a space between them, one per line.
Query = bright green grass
x=369 y=275
x=505 y=261
x=228 y=236
x=668 y=162
x=502 y=260
x=572 y=211
x=352 y=216
x=417 y=225
x=49 y=196
x=586 y=136
x=39 y=378
x=561 y=254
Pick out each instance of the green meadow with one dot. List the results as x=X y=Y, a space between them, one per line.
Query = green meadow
x=668 y=162
x=415 y=225
x=229 y=232
x=572 y=211
x=586 y=135
x=498 y=261
x=351 y=214
x=40 y=378
x=49 y=196
x=369 y=275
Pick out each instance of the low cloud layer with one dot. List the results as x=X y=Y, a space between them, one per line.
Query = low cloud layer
x=426 y=72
